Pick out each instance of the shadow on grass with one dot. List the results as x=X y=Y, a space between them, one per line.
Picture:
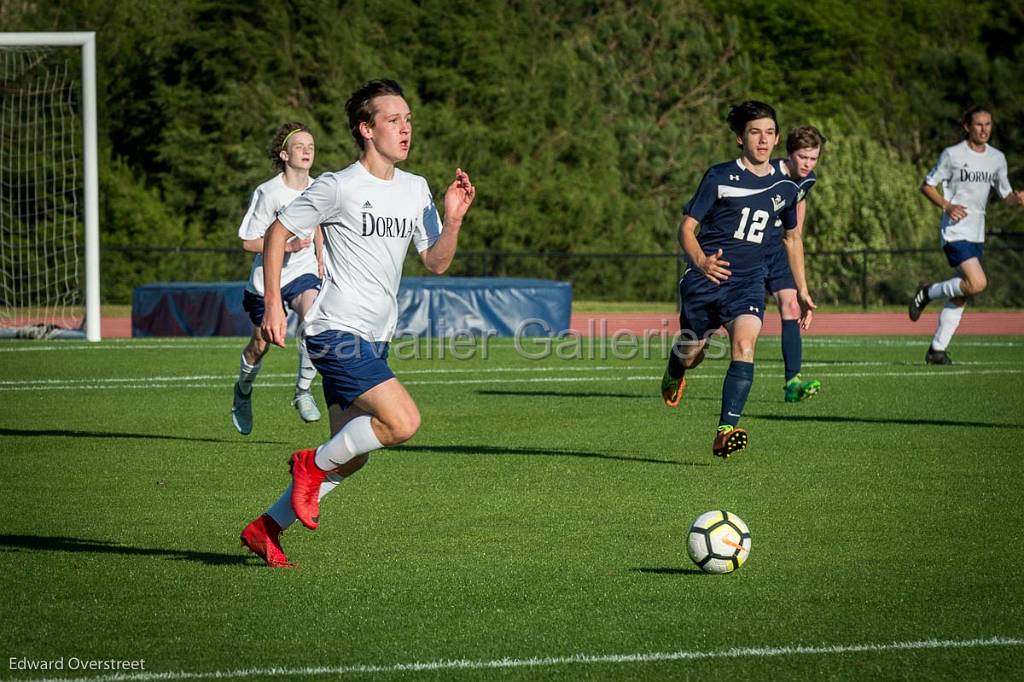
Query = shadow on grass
x=569 y=394
x=72 y=433
x=58 y=543
x=654 y=398
x=544 y=452
x=880 y=420
x=670 y=571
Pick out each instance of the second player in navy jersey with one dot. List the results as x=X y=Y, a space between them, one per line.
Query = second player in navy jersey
x=803 y=149
x=735 y=207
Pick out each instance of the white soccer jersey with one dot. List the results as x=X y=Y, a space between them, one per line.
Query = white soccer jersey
x=367 y=224
x=267 y=201
x=967 y=177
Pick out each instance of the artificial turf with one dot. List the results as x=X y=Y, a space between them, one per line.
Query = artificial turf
x=535 y=526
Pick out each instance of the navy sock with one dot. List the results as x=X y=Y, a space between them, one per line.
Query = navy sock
x=735 y=390
x=792 y=347
x=675 y=362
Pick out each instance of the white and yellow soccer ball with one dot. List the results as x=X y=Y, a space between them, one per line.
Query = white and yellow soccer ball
x=718 y=542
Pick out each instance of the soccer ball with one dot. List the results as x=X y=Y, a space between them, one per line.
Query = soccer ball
x=719 y=542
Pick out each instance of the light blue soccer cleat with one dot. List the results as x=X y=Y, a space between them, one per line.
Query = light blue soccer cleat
x=306 y=406
x=241 y=411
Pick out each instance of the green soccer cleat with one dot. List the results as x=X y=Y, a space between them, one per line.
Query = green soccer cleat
x=672 y=389
x=797 y=389
x=728 y=440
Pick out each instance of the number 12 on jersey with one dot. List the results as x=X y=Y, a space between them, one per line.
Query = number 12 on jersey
x=757 y=224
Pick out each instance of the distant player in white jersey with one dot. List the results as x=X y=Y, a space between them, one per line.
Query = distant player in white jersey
x=291 y=152
x=967 y=172
x=369 y=212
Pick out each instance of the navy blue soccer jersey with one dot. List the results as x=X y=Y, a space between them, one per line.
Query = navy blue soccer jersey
x=804 y=186
x=737 y=211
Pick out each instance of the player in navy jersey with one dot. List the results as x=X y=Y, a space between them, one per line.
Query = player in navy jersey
x=803 y=147
x=735 y=206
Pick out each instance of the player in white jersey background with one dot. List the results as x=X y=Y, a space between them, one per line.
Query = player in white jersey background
x=967 y=172
x=292 y=152
x=369 y=213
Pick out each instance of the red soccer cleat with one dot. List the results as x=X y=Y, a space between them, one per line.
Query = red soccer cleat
x=262 y=537
x=306 y=480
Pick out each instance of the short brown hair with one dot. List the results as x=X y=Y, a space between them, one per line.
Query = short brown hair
x=359 y=105
x=804 y=137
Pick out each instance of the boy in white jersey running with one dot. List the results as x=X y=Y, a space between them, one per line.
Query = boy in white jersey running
x=292 y=153
x=369 y=213
x=967 y=172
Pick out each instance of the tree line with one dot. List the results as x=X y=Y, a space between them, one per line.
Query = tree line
x=585 y=125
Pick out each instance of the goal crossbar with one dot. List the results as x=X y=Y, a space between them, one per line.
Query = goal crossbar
x=87 y=42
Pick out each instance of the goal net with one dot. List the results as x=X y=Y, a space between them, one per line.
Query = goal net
x=42 y=194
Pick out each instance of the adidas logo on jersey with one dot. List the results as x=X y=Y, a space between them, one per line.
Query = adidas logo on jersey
x=367 y=205
x=778 y=202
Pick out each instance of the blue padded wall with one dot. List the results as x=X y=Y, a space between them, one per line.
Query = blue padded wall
x=436 y=306
x=440 y=306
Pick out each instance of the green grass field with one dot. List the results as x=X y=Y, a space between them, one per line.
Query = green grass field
x=533 y=529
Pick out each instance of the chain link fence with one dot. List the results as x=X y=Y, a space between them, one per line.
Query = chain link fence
x=858 y=277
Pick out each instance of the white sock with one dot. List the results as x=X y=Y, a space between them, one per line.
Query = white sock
x=246 y=374
x=281 y=511
x=949 y=320
x=307 y=372
x=947 y=289
x=354 y=439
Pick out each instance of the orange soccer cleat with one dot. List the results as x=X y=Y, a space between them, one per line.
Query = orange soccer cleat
x=728 y=440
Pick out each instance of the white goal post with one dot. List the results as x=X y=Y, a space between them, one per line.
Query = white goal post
x=87 y=42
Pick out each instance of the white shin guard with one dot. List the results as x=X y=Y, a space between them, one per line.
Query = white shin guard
x=354 y=439
x=949 y=320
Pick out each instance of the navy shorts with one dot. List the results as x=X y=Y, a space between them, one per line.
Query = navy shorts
x=255 y=306
x=959 y=251
x=706 y=306
x=779 y=275
x=349 y=365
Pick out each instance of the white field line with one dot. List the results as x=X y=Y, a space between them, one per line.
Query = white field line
x=125 y=346
x=281 y=375
x=551 y=661
x=657 y=377
x=408 y=372
x=915 y=343
x=150 y=383
x=495 y=342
